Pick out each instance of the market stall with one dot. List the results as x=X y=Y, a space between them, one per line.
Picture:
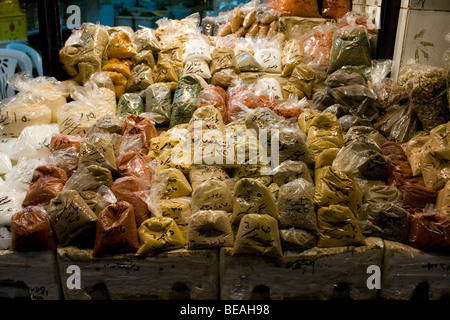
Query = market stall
x=262 y=152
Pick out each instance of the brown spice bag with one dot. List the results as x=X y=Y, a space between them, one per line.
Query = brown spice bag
x=31 y=231
x=116 y=231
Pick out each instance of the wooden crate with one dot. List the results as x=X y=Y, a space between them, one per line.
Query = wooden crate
x=409 y=273
x=317 y=273
x=29 y=275
x=177 y=274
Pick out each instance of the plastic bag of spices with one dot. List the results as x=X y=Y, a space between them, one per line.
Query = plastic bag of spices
x=335 y=9
x=158 y=99
x=427 y=93
x=215 y=96
x=141 y=77
x=251 y=196
x=296 y=205
x=335 y=187
x=212 y=195
x=297 y=239
x=131 y=190
x=292 y=55
x=116 y=230
x=121 y=46
x=386 y=220
x=318 y=42
x=299 y=8
x=351 y=47
x=159 y=234
x=209 y=229
x=430 y=232
x=31 y=231
x=141 y=126
x=71 y=218
x=134 y=164
x=258 y=234
x=186 y=100
x=338 y=226
x=46 y=183
x=89 y=178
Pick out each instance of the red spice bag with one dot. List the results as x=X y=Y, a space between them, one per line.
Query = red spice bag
x=141 y=126
x=430 y=232
x=31 y=231
x=335 y=9
x=130 y=189
x=134 y=164
x=299 y=8
x=116 y=231
x=46 y=183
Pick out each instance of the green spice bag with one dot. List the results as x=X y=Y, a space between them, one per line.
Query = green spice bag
x=351 y=47
x=186 y=100
x=130 y=103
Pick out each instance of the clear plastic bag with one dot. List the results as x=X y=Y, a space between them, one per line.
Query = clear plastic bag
x=158 y=99
x=317 y=43
x=268 y=55
x=71 y=218
x=31 y=231
x=209 y=229
x=140 y=78
x=159 y=234
x=296 y=205
x=212 y=195
x=292 y=107
x=292 y=55
x=427 y=87
x=302 y=8
x=335 y=9
x=351 y=47
x=91 y=102
x=185 y=100
x=116 y=230
x=251 y=196
x=133 y=190
x=357 y=100
x=430 y=231
x=251 y=237
x=386 y=220
x=130 y=103
x=398 y=124
x=338 y=226
x=46 y=183
x=34 y=142
x=215 y=96
x=145 y=39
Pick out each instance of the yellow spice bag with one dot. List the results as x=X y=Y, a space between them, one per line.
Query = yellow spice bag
x=338 y=227
x=159 y=234
x=258 y=234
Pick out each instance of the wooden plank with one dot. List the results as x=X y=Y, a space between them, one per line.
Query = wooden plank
x=310 y=274
x=177 y=274
x=411 y=273
x=35 y=272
